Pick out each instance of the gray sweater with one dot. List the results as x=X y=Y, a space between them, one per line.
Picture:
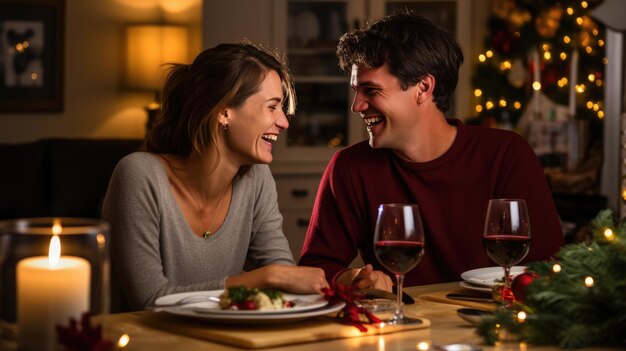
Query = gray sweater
x=154 y=252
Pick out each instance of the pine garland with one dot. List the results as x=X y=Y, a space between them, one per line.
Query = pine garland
x=580 y=305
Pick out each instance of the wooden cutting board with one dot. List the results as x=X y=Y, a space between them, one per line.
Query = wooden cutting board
x=263 y=336
x=442 y=297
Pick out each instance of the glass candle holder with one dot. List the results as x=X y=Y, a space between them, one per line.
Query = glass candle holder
x=51 y=270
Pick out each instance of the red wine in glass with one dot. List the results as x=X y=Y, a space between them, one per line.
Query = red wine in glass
x=399 y=246
x=399 y=256
x=506 y=238
x=506 y=250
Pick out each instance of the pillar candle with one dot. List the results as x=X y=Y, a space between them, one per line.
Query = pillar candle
x=573 y=77
x=50 y=291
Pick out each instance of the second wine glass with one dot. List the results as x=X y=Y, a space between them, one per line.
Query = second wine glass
x=399 y=246
x=507 y=237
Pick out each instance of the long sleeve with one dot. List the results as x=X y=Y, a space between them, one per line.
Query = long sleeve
x=155 y=253
x=452 y=192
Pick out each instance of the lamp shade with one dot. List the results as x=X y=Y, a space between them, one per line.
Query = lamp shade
x=150 y=46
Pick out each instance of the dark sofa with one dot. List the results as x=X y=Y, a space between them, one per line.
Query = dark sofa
x=58 y=176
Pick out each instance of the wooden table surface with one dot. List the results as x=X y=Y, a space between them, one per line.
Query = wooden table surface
x=446 y=328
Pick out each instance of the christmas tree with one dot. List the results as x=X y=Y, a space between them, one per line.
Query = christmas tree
x=540 y=47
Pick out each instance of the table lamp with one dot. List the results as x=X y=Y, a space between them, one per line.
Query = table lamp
x=148 y=47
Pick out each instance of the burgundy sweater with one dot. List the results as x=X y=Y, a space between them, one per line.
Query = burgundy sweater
x=452 y=192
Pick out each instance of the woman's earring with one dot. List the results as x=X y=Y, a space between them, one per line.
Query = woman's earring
x=225 y=125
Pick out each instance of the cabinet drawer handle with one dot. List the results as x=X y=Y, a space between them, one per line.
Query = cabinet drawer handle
x=303 y=222
x=299 y=192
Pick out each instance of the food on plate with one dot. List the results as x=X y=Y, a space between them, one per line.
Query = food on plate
x=242 y=298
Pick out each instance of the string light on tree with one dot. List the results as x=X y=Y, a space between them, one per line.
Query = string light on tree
x=508 y=70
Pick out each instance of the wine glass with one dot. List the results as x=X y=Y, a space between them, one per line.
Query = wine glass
x=399 y=246
x=507 y=237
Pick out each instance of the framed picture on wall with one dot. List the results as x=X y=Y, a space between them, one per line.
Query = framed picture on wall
x=31 y=55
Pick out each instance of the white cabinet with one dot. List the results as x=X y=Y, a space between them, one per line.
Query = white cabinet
x=296 y=193
x=308 y=32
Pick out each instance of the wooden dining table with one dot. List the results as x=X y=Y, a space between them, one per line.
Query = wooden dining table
x=148 y=330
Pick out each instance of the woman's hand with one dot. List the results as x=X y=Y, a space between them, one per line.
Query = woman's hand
x=292 y=279
x=366 y=278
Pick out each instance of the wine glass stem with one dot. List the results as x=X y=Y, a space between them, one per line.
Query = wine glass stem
x=399 y=284
x=507 y=295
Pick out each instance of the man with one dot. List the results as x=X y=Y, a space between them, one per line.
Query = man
x=404 y=71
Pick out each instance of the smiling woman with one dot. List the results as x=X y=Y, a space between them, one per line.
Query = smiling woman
x=200 y=202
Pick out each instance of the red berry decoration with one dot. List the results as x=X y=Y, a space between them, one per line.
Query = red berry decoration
x=519 y=284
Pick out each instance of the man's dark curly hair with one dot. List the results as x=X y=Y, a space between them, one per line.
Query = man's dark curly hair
x=411 y=46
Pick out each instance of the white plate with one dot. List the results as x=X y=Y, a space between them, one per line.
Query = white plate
x=468 y=285
x=489 y=276
x=304 y=303
x=251 y=319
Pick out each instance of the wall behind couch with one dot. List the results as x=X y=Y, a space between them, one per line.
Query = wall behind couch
x=95 y=104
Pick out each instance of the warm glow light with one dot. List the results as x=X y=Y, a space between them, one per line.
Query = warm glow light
x=600 y=42
x=545 y=47
x=595 y=32
x=502 y=103
x=590 y=104
x=123 y=341
x=562 y=82
x=588 y=49
x=479 y=108
x=150 y=46
x=563 y=56
x=605 y=61
x=600 y=114
x=580 y=88
x=570 y=11
x=589 y=281
x=381 y=343
x=591 y=77
x=547 y=55
x=599 y=82
x=56 y=226
x=489 y=53
x=608 y=234
x=505 y=65
x=579 y=21
x=595 y=107
x=34 y=76
x=482 y=58
x=517 y=105
x=624 y=195
x=423 y=346
x=478 y=92
x=566 y=39
x=556 y=268
x=100 y=239
x=521 y=316
x=536 y=86
x=584 y=4
x=54 y=252
x=489 y=105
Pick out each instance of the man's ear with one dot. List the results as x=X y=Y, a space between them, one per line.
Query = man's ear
x=425 y=89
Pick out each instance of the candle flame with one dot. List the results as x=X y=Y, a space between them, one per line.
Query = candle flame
x=56 y=226
x=54 y=252
x=123 y=341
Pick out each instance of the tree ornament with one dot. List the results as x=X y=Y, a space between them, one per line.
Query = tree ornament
x=548 y=22
x=518 y=18
x=519 y=284
x=517 y=74
x=502 y=8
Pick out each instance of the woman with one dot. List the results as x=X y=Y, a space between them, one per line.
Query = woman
x=188 y=213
